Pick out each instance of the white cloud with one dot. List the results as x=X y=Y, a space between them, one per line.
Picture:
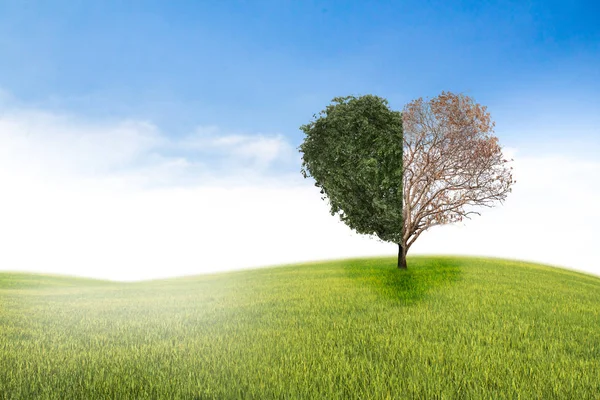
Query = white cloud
x=125 y=201
x=256 y=151
x=36 y=141
x=168 y=232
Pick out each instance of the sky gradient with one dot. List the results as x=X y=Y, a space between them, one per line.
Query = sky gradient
x=178 y=108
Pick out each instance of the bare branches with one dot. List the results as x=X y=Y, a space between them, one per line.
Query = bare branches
x=452 y=162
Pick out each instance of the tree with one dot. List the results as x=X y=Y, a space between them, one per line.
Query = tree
x=353 y=150
x=452 y=162
x=396 y=175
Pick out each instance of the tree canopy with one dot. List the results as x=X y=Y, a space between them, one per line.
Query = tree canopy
x=353 y=150
x=452 y=163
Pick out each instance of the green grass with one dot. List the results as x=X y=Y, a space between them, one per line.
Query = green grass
x=449 y=327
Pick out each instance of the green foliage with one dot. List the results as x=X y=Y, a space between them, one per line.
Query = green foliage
x=449 y=327
x=353 y=150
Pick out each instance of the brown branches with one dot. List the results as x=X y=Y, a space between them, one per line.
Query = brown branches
x=452 y=163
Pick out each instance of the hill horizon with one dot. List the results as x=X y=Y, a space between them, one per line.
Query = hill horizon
x=275 y=265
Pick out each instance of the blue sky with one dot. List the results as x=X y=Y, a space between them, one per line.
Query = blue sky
x=102 y=103
x=267 y=66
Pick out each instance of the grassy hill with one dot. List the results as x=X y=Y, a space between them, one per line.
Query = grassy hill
x=449 y=327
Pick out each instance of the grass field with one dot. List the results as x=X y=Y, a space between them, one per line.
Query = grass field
x=448 y=327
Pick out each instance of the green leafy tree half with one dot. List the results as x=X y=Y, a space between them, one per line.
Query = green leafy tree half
x=353 y=151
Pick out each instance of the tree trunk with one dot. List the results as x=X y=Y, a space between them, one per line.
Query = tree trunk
x=401 y=256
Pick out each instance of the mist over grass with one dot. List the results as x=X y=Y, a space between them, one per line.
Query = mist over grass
x=447 y=327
